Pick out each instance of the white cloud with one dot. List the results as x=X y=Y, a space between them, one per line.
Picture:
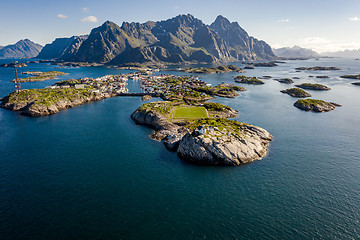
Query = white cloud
x=284 y=21
x=354 y=19
x=62 y=16
x=85 y=9
x=91 y=19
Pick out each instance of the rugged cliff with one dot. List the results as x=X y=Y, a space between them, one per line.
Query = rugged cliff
x=210 y=141
x=183 y=38
x=42 y=102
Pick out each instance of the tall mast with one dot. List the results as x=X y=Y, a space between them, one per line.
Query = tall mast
x=17 y=82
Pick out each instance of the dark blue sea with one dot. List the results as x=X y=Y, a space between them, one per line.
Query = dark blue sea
x=91 y=173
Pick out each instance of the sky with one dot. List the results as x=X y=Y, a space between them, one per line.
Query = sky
x=323 y=25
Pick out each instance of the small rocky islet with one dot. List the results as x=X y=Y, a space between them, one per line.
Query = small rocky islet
x=313 y=86
x=315 y=105
x=248 y=80
x=318 y=68
x=40 y=76
x=296 y=92
x=351 y=76
x=285 y=80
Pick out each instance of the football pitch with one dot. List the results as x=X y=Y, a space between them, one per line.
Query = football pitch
x=190 y=112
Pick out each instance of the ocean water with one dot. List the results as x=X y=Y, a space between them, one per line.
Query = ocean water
x=90 y=173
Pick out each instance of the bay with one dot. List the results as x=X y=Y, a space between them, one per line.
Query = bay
x=91 y=173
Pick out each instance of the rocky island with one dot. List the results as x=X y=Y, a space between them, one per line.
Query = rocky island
x=317 y=68
x=313 y=86
x=261 y=64
x=64 y=94
x=285 y=80
x=296 y=92
x=206 y=140
x=40 y=76
x=219 y=69
x=73 y=92
x=315 y=105
x=248 y=80
x=356 y=83
x=351 y=76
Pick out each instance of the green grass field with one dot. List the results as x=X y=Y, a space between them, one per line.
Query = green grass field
x=190 y=112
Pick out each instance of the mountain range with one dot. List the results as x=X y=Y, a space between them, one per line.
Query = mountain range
x=344 y=54
x=296 y=52
x=181 y=39
x=22 y=49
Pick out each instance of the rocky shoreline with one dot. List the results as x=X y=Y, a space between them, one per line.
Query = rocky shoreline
x=211 y=141
x=37 y=108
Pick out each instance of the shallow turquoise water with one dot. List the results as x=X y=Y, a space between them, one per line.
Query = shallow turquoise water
x=91 y=173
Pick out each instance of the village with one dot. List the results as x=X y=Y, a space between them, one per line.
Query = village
x=112 y=84
x=170 y=86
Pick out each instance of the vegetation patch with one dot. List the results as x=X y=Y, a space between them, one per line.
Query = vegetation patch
x=233 y=127
x=223 y=90
x=216 y=107
x=163 y=108
x=311 y=102
x=47 y=96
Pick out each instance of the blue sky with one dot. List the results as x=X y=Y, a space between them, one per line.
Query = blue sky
x=324 y=25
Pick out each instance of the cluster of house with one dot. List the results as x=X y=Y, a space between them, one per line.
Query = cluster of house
x=169 y=84
x=104 y=84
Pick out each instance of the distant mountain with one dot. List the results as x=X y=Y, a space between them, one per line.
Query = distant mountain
x=344 y=54
x=296 y=52
x=62 y=48
x=22 y=49
x=183 y=38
